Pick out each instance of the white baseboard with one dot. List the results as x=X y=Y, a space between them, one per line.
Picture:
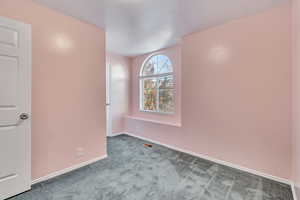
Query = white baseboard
x=116 y=134
x=69 y=169
x=278 y=179
x=293 y=185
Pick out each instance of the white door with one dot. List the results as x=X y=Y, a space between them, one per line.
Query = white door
x=108 y=101
x=15 y=107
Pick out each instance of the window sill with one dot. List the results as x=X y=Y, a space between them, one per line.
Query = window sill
x=154 y=121
x=156 y=112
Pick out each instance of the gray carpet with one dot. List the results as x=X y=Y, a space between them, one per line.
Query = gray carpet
x=135 y=172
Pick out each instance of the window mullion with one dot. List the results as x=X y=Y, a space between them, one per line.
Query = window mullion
x=142 y=104
x=157 y=96
x=156 y=75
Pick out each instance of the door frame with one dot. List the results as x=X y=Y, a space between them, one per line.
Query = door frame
x=29 y=93
x=108 y=100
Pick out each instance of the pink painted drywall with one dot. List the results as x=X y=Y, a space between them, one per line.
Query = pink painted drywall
x=68 y=87
x=174 y=53
x=235 y=94
x=120 y=73
x=296 y=93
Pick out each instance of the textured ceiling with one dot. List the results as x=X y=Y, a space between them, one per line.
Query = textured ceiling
x=136 y=27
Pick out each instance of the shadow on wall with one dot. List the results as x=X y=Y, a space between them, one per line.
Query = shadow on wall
x=120 y=83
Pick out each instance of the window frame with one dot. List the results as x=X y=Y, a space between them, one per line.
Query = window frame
x=157 y=77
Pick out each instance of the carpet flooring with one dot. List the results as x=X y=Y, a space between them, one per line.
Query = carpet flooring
x=135 y=172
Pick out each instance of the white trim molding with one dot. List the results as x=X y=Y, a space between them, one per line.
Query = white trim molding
x=69 y=169
x=116 y=134
x=176 y=124
x=294 y=186
x=221 y=162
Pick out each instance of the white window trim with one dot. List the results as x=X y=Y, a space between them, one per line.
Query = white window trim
x=156 y=76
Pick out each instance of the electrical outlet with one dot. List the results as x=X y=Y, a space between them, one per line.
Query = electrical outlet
x=80 y=152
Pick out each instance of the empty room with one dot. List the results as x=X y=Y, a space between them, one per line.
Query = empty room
x=149 y=99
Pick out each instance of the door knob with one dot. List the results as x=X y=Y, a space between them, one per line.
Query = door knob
x=24 y=116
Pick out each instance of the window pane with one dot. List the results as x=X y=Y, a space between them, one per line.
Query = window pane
x=149 y=68
x=158 y=64
x=164 y=65
x=149 y=83
x=166 y=83
x=150 y=97
x=166 y=100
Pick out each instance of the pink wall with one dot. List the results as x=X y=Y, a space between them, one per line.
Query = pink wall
x=235 y=94
x=296 y=93
x=68 y=86
x=120 y=73
x=174 y=53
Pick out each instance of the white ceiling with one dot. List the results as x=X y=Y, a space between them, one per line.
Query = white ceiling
x=140 y=26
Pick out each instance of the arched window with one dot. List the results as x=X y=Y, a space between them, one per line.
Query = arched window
x=157 y=91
